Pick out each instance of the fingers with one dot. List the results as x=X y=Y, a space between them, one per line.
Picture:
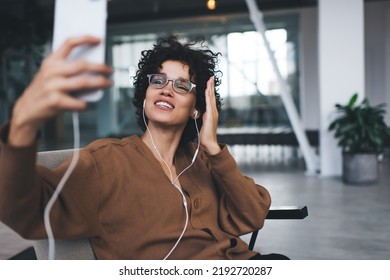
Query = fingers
x=208 y=134
x=60 y=101
x=72 y=68
x=210 y=96
x=210 y=117
x=64 y=50
x=77 y=67
x=59 y=74
x=58 y=64
x=82 y=82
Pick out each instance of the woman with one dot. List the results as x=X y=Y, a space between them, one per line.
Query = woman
x=156 y=196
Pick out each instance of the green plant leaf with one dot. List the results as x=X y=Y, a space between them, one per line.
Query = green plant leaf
x=366 y=103
x=360 y=127
x=352 y=101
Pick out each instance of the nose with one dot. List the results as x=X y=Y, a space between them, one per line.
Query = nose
x=168 y=90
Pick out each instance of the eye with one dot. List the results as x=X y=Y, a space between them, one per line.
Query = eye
x=183 y=85
x=158 y=80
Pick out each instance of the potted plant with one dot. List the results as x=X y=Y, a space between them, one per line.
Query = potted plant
x=362 y=133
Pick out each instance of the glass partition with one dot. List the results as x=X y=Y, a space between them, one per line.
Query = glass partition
x=250 y=91
x=251 y=97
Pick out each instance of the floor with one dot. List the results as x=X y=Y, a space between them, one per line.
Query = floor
x=344 y=222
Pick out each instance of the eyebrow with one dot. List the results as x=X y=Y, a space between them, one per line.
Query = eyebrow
x=176 y=78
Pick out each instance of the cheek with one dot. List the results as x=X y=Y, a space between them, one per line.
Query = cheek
x=148 y=93
x=147 y=100
x=191 y=106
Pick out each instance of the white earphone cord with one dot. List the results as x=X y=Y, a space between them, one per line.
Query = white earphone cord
x=72 y=165
x=177 y=177
x=61 y=184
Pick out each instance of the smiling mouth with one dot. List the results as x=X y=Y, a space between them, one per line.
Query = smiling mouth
x=164 y=104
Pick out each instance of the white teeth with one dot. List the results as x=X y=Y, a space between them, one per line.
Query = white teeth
x=164 y=104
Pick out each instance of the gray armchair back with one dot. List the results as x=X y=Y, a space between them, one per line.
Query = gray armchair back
x=77 y=249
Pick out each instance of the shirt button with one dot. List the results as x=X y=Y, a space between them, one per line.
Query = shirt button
x=196 y=203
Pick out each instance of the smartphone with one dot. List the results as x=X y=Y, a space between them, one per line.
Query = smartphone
x=74 y=18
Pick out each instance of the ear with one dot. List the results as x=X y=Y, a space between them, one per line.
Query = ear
x=195 y=114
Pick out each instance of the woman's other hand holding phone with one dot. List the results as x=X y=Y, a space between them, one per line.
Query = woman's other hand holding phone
x=50 y=91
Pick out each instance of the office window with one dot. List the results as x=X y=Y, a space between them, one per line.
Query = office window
x=251 y=94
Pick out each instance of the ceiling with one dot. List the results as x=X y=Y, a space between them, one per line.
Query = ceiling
x=29 y=21
x=120 y=11
x=140 y=10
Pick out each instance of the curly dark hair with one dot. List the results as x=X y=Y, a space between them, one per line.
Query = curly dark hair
x=202 y=65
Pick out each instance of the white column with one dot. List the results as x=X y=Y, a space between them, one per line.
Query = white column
x=341 y=69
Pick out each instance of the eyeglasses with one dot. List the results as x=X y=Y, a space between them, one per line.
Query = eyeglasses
x=181 y=86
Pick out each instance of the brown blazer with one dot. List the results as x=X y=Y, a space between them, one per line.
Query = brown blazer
x=120 y=197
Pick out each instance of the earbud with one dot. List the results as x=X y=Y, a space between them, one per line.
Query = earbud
x=195 y=114
x=144 y=103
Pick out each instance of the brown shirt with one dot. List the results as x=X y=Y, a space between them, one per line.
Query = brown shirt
x=120 y=197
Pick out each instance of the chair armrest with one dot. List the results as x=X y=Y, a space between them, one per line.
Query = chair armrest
x=280 y=213
x=287 y=213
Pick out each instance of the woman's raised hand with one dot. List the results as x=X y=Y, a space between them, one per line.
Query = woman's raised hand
x=49 y=91
x=208 y=133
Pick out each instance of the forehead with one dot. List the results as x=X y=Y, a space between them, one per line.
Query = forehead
x=175 y=69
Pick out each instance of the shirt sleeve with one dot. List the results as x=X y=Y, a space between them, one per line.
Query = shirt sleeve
x=26 y=188
x=243 y=204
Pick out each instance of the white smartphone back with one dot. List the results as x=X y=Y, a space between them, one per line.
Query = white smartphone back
x=75 y=18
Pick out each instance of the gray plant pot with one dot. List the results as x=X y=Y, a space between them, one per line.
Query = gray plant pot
x=360 y=168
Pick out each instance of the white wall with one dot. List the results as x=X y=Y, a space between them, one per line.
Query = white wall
x=377 y=59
